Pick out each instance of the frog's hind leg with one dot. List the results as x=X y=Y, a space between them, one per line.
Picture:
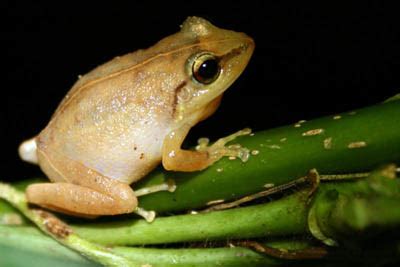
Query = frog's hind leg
x=79 y=189
x=75 y=199
x=28 y=151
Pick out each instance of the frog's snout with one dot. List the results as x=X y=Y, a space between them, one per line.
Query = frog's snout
x=27 y=151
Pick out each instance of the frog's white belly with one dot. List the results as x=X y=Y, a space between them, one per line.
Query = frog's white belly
x=120 y=137
x=127 y=157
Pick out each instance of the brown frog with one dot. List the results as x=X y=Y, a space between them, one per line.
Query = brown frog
x=119 y=121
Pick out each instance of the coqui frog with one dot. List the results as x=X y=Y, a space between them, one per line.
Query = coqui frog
x=120 y=120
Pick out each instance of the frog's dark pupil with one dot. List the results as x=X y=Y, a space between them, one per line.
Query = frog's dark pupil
x=207 y=71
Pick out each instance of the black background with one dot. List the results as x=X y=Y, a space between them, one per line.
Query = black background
x=310 y=60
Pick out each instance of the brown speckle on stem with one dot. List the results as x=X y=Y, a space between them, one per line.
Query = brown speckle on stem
x=358 y=144
x=337 y=117
x=313 y=132
x=269 y=185
x=53 y=225
x=328 y=143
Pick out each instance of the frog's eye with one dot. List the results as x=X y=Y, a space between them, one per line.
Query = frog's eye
x=206 y=68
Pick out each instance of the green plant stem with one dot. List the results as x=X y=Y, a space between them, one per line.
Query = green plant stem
x=33 y=243
x=233 y=257
x=248 y=222
x=286 y=216
x=370 y=206
x=62 y=232
x=31 y=240
x=263 y=220
x=118 y=256
x=349 y=142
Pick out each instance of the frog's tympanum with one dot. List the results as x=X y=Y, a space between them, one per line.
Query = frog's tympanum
x=119 y=121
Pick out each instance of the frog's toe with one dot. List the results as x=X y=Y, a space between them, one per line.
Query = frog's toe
x=219 y=148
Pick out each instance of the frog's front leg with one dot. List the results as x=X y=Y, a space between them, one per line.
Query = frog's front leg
x=84 y=192
x=177 y=159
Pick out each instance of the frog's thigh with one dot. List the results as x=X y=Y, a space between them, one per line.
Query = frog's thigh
x=87 y=192
x=177 y=159
x=73 y=199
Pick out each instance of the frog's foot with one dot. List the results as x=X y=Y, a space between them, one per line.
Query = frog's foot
x=149 y=216
x=219 y=148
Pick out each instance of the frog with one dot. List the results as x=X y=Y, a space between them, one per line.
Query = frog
x=122 y=119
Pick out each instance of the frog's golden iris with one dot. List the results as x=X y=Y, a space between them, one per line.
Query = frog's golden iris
x=206 y=68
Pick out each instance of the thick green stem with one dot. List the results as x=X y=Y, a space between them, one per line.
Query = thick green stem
x=329 y=216
x=253 y=221
x=341 y=213
x=34 y=246
x=31 y=241
x=346 y=143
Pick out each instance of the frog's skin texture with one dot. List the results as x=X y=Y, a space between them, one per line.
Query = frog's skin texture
x=123 y=118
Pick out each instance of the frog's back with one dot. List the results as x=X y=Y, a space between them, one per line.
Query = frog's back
x=126 y=63
x=194 y=30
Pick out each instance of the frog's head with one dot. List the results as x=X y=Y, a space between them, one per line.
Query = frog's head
x=215 y=58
